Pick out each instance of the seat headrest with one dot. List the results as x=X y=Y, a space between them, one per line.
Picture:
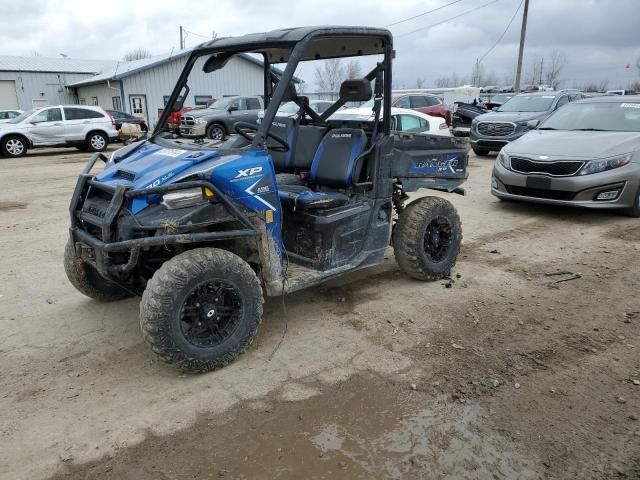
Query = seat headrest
x=356 y=90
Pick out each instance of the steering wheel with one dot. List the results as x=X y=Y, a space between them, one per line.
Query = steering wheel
x=244 y=129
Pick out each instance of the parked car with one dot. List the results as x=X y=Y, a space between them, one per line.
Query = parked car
x=493 y=130
x=496 y=101
x=586 y=154
x=422 y=102
x=123 y=117
x=290 y=109
x=402 y=120
x=6 y=115
x=79 y=126
x=463 y=115
x=217 y=121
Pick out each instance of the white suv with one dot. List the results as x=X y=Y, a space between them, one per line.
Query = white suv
x=80 y=126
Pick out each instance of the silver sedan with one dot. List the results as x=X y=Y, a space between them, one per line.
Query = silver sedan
x=587 y=154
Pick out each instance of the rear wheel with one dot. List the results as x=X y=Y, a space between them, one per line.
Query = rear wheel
x=481 y=152
x=97 y=142
x=216 y=132
x=427 y=238
x=14 y=146
x=201 y=309
x=87 y=280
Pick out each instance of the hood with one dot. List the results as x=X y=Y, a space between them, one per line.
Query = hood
x=206 y=112
x=150 y=165
x=579 y=145
x=511 y=116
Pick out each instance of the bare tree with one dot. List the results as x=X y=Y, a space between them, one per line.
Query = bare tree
x=554 y=67
x=420 y=82
x=330 y=75
x=136 y=54
x=35 y=53
x=603 y=85
x=352 y=70
x=533 y=75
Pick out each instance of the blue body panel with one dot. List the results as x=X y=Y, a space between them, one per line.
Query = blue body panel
x=247 y=177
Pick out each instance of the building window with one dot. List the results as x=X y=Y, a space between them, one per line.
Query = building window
x=83 y=101
x=94 y=101
x=117 y=103
x=165 y=99
x=202 y=100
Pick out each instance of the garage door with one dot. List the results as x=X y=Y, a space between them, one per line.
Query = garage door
x=8 y=97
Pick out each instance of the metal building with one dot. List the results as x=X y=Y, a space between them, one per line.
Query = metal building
x=141 y=87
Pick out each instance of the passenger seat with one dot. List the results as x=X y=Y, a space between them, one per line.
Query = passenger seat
x=333 y=170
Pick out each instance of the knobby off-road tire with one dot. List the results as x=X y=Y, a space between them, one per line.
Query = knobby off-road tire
x=88 y=281
x=201 y=309
x=427 y=238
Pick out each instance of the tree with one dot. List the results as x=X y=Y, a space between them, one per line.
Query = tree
x=555 y=64
x=534 y=74
x=136 y=54
x=420 y=82
x=330 y=75
x=352 y=70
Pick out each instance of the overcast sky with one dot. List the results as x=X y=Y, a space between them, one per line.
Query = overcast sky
x=598 y=37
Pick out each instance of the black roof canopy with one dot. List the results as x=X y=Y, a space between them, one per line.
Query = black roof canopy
x=323 y=42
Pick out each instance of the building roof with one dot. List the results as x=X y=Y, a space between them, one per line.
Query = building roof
x=53 y=65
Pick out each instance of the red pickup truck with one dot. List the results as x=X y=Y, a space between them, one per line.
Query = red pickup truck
x=174 y=119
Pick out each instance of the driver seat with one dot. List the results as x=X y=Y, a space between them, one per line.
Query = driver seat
x=286 y=128
x=335 y=166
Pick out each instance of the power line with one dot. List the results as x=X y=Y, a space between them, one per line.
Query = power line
x=197 y=34
x=421 y=14
x=503 y=33
x=446 y=21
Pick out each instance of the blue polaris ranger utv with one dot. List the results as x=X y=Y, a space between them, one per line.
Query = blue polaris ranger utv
x=203 y=229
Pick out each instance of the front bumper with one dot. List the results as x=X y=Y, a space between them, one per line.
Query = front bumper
x=193 y=131
x=494 y=143
x=95 y=231
x=577 y=191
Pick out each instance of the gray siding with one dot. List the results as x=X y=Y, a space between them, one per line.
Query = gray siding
x=31 y=85
x=102 y=92
x=239 y=77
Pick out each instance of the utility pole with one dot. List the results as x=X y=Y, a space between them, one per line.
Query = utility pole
x=181 y=39
x=523 y=33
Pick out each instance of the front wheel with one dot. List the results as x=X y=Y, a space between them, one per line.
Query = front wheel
x=216 y=132
x=97 y=142
x=87 y=280
x=634 y=211
x=201 y=309
x=427 y=238
x=14 y=146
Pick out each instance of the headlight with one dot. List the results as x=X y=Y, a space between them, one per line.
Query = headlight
x=474 y=123
x=601 y=165
x=183 y=198
x=504 y=160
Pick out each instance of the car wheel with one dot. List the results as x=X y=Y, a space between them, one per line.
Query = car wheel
x=635 y=210
x=216 y=132
x=481 y=152
x=97 y=142
x=14 y=146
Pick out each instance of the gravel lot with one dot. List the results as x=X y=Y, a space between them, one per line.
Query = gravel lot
x=506 y=371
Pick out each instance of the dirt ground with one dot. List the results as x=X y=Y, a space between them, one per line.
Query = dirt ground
x=507 y=371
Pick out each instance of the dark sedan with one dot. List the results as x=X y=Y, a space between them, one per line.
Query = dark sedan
x=123 y=117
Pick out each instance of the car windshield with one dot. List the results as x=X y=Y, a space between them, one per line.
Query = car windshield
x=289 y=107
x=222 y=104
x=500 y=98
x=528 y=103
x=605 y=116
x=21 y=117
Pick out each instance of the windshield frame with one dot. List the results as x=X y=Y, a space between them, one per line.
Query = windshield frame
x=22 y=117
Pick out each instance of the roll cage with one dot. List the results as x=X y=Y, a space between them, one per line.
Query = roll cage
x=292 y=46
